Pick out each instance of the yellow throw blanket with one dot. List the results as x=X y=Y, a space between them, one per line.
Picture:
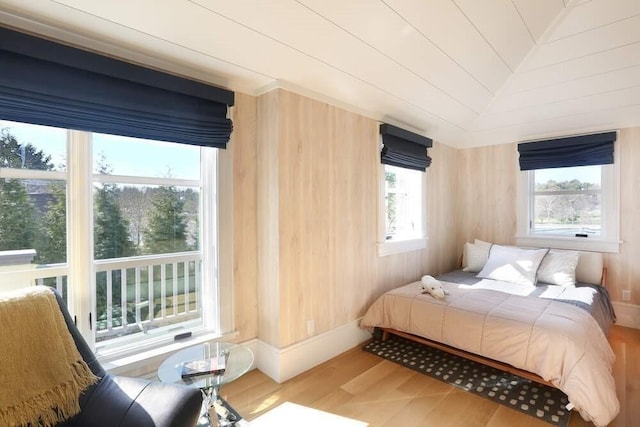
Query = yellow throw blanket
x=41 y=371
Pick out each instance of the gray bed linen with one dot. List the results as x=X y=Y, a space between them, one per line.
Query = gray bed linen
x=592 y=298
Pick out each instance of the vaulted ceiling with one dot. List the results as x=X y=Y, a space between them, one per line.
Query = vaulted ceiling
x=463 y=72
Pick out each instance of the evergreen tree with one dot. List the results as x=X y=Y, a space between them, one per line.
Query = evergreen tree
x=111 y=240
x=18 y=228
x=111 y=229
x=17 y=216
x=53 y=247
x=166 y=230
x=21 y=156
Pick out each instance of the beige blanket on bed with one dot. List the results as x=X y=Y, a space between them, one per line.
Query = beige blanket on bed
x=560 y=342
x=41 y=371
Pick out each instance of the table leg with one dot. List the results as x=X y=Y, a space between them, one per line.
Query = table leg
x=215 y=409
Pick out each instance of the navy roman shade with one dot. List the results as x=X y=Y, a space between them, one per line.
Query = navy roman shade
x=404 y=149
x=47 y=83
x=585 y=150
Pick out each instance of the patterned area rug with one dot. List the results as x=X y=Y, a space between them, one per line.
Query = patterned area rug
x=537 y=400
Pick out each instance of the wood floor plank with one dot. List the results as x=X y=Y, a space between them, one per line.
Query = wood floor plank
x=630 y=415
x=507 y=417
x=363 y=386
x=416 y=413
x=386 y=376
x=460 y=408
x=423 y=385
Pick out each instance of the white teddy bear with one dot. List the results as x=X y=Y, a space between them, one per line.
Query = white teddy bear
x=431 y=286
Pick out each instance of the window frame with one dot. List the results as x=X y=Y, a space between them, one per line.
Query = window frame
x=390 y=247
x=609 y=239
x=81 y=267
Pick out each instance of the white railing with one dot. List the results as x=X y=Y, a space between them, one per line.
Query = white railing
x=159 y=290
x=19 y=276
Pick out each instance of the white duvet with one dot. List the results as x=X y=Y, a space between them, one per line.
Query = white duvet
x=560 y=342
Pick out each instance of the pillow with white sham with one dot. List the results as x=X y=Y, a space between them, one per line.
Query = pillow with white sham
x=475 y=255
x=514 y=265
x=559 y=268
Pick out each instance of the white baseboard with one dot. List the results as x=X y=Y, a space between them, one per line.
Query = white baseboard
x=285 y=363
x=627 y=314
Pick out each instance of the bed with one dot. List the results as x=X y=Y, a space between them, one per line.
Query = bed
x=501 y=313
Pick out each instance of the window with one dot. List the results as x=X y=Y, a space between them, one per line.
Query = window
x=572 y=208
x=566 y=201
x=143 y=230
x=33 y=197
x=403 y=210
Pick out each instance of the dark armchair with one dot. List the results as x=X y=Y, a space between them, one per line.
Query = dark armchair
x=130 y=402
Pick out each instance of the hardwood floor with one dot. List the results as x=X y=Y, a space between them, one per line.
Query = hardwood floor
x=365 y=387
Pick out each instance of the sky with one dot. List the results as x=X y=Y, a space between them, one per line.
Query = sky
x=582 y=173
x=126 y=156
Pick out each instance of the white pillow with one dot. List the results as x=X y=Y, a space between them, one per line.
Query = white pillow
x=513 y=265
x=475 y=255
x=559 y=268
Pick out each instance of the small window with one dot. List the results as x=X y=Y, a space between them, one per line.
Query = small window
x=567 y=201
x=403 y=211
x=570 y=208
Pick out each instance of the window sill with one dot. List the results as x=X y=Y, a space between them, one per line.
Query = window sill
x=572 y=243
x=143 y=362
x=400 y=246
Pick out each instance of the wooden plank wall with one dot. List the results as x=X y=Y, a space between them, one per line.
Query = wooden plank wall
x=268 y=238
x=487 y=194
x=317 y=209
x=624 y=268
x=245 y=250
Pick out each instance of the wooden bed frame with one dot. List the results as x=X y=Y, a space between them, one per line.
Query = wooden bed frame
x=474 y=357
x=465 y=354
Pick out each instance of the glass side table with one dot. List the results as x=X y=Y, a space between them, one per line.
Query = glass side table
x=239 y=360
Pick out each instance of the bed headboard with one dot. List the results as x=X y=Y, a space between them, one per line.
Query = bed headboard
x=590 y=268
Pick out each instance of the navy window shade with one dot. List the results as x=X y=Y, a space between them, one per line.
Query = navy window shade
x=46 y=83
x=404 y=149
x=585 y=150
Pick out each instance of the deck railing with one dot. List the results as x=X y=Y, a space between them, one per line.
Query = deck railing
x=137 y=294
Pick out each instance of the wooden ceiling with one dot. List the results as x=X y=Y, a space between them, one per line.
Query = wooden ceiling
x=463 y=72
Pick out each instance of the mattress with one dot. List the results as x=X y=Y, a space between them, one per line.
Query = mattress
x=592 y=298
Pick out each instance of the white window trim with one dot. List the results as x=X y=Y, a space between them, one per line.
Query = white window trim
x=386 y=247
x=82 y=299
x=118 y=353
x=216 y=326
x=609 y=241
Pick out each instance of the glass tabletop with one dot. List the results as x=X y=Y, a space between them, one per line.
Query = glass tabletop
x=239 y=361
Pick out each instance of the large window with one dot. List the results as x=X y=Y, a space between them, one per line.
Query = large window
x=143 y=229
x=572 y=207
